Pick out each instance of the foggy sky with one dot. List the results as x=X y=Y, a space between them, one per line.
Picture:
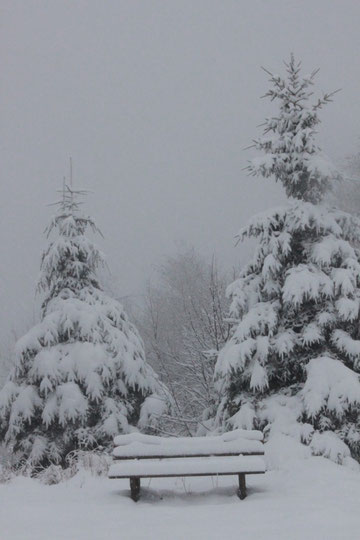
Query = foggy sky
x=155 y=101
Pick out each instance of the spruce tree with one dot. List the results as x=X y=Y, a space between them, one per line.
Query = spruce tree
x=292 y=363
x=80 y=375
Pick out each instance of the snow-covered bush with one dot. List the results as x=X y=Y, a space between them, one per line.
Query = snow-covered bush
x=293 y=360
x=153 y=408
x=5 y=464
x=5 y=474
x=53 y=474
x=80 y=375
x=96 y=461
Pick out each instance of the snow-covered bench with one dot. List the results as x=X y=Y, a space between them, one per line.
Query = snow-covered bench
x=137 y=456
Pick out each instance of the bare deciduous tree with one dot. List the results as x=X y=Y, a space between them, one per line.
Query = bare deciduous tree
x=183 y=326
x=346 y=194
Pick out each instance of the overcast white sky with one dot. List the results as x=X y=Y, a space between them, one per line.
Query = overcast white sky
x=154 y=100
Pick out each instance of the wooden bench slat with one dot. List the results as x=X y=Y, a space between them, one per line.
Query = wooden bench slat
x=160 y=456
x=184 y=475
x=187 y=466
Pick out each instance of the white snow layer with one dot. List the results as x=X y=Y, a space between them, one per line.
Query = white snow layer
x=312 y=499
x=183 y=448
x=238 y=441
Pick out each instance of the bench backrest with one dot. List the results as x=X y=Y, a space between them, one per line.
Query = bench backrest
x=137 y=445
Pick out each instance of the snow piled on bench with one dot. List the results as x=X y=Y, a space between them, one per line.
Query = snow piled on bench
x=238 y=441
x=187 y=466
x=153 y=439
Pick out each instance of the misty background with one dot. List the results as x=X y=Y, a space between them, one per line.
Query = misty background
x=155 y=101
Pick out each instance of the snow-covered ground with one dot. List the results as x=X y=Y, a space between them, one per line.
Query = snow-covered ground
x=311 y=499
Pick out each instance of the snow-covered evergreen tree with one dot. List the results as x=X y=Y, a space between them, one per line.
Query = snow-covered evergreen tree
x=80 y=375
x=293 y=361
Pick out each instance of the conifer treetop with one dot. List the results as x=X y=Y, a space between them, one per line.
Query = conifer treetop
x=291 y=153
x=71 y=260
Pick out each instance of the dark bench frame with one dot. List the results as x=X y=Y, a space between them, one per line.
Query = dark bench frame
x=135 y=480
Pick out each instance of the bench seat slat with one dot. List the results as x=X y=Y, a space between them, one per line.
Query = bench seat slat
x=204 y=466
x=183 y=475
x=207 y=454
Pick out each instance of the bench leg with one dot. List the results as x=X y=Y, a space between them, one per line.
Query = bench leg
x=135 y=488
x=242 y=487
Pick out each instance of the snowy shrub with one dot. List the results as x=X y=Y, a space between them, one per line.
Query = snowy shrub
x=80 y=375
x=54 y=474
x=6 y=472
x=292 y=362
x=329 y=445
x=153 y=408
x=281 y=450
x=97 y=462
